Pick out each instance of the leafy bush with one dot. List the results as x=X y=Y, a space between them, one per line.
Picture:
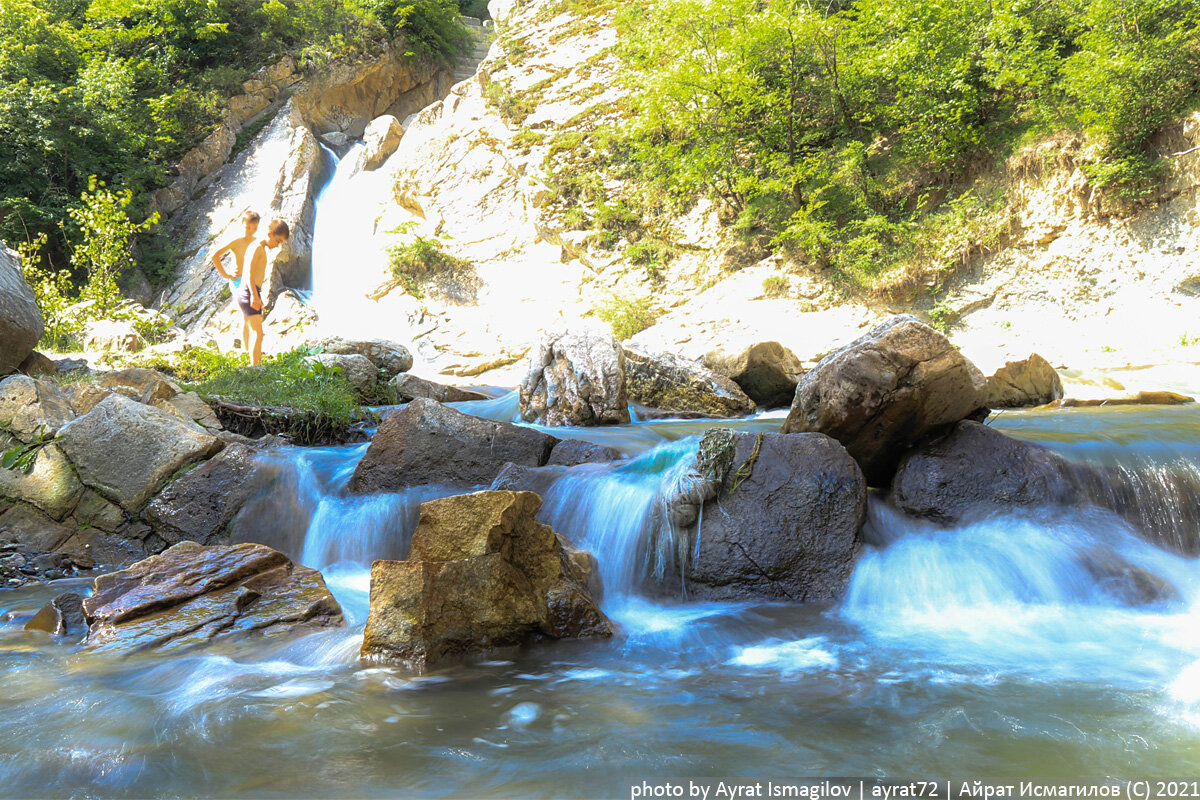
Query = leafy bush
x=432 y=28
x=628 y=316
x=775 y=286
x=422 y=263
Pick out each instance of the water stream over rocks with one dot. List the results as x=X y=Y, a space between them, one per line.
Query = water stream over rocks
x=989 y=648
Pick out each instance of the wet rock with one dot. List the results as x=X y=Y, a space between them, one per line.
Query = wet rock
x=428 y=443
x=766 y=371
x=1125 y=582
x=191 y=594
x=483 y=573
x=126 y=450
x=31 y=531
x=391 y=357
x=881 y=393
x=381 y=138
x=62 y=616
x=673 y=384
x=30 y=407
x=140 y=384
x=976 y=470
x=20 y=320
x=572 y=452
x=50 y=485
x=410 y=387
x=1139 y=399
x=575 y=378
x=122 y=548
x=113 y=335
x=199 y=506
x=783 y=522
x=358 y=370
x=1029 y=382
x=37 y=365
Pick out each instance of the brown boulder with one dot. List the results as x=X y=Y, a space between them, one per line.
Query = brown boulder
x=410 y=387
x=1029 y=382
x=671 y=383
x=766 y=371
x=428 y=443
x=572 y=452
x=575 y=378
x=881 y=393
x=483 y=573
x=191 y=594
x=199 y=506
x=62 y=616
x=140 y=384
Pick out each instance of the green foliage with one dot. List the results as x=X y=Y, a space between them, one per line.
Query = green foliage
x=775 y=286
x=23 y=457
x=432 y=28
x=423 y=263
x=512 y=107
x=106 y=251
x=942 y=316
x=628 y=315
x=822 y=130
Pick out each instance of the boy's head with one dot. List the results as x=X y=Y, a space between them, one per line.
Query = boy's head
x=250 y=220
x=277 y=233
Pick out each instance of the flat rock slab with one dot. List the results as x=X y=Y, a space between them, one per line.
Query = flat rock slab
x=427 y=443
x=191 y=594
x=674 y=384
x=126 y=450
x=410 y=387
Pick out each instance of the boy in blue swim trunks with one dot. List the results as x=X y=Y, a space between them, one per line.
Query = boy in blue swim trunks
x=249 y=299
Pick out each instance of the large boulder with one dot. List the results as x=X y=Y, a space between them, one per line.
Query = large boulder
x=575 y=378
x=573 y=452
x=780 y=517
x=49 y=484
x=191 y=594
x=391 y=357
x=671 y=383
x=358 y=370
x=483 y=573
x=882 y=392
x=29 y=407
x=20 y=320
x=428 y=443
x=381 y=138
x=199 y=506
x=410 y=387
x=113 y=335
x=766 y=371
x=127 y=450
x=1028 y=382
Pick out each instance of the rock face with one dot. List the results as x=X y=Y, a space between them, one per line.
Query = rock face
x=200 y=505
x=976 y=470
x=884 y=391
x=20 y=320
x=191 y=594
x=672 y=384
x=781 y=517
x=483 y=573
x=575 y=378
x=29 y=407
x=391 y=357
x=1029 y=382
x=428 y=443
x=382 y=137
x=126 y=450
x=766 y=371
x=410 y=387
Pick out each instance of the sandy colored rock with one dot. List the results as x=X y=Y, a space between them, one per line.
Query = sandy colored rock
x=20 y=320
x=410 y=387
x=140 y=384
x=575 y=378
x=37 y=365
x=670 y=383
x=391 y=357
x=191 y=594
x=483 y=573
x=113 y=335
x=62 y=616
x=766 y=371
x=1139 y=399
x=1031 y=381
x=29 y=407
x=382 y=137
x=126 y=450
x=189 y=405
x=884 y=391
x=428 y=443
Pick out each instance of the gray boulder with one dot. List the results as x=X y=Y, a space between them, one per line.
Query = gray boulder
x=20 y=320
x=881 y=393
x=1028 y=382
x=126 y=450
x=359 y=370
x=199 y=506
x=30 y=407
x=428 y=443
x=781 y=517
x=575 y=378
x=410 y=387
x=674 y=384
x=572 y=452
x=766 y=371
x=391 y=357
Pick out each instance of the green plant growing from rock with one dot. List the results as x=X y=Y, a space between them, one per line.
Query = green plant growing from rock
x=22 y=456
x=628 y=316
x=775 y=286
x=942 y=316
x=423 y=263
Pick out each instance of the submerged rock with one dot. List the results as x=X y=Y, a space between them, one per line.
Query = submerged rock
x=575 y=378
x=1028 y=382
x=483 y=573
x=20 y=320
x=428 y=443
x=780 y=517
x=62 y=616
x=410 y=387
x=881 y=393
x=573 y=452
x=766 y=371
x=671 y=383
x=191 y=594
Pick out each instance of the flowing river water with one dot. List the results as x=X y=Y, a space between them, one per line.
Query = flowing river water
x=983 y=649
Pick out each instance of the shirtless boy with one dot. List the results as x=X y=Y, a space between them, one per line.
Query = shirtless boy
x=249 y=298
x=237 y=247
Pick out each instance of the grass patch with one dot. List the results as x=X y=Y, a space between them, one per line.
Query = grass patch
x=423 y=264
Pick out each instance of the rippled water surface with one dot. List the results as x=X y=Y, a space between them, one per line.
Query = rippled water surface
x=986 y=650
